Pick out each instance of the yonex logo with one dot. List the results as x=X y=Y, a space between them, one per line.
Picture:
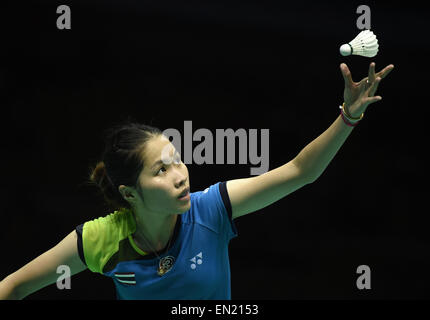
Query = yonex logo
x=198 y=259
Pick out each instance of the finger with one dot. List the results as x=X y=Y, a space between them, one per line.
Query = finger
x=384 y=72
x=346 y=74
x=374 y=87
x=371 y=100
x=372 y=75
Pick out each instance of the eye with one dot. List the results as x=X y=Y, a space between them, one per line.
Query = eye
x=161 y=170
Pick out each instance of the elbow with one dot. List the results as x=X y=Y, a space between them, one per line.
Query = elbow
x=307 y=176
x=311 y=178
x=11 y=288
x=8 y=290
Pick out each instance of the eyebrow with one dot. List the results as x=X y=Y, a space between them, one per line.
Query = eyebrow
x=156 y=164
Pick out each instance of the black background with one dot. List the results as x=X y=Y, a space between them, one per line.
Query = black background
x=224 y=64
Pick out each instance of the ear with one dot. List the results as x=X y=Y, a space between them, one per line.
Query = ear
x=128 y=194
x=125 y=192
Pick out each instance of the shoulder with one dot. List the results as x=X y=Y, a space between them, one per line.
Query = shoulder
x=118 y=222
x=101 y=237
x=212 y=196
x=211 y=207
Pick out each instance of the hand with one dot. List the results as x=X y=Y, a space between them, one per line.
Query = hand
x=358 y=95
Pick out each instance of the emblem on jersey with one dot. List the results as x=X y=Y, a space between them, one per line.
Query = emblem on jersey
x=198 y=259
x=126 y=277
x=165 y=265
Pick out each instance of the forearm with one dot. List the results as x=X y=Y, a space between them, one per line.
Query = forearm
x=316 y=156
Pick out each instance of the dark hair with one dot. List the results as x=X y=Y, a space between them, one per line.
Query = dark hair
x=121 y=161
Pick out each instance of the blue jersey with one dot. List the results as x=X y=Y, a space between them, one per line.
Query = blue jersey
x=201 y=268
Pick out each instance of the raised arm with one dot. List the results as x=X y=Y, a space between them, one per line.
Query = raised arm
x=251 y=194
x=42 y=271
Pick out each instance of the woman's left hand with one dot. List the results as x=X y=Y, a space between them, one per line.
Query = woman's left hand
x=358 y=95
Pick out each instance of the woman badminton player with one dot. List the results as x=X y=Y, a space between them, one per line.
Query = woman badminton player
x=162 y=242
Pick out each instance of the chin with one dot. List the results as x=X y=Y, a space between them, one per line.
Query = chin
x=185 y=208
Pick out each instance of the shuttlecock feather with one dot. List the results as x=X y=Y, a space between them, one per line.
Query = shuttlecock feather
x=364 y=44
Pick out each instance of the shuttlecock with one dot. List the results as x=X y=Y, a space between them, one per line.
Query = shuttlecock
x=364 y=44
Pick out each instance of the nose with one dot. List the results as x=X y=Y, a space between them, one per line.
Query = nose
x=179 y=178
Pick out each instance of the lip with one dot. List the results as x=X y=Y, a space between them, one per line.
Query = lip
x=185 y=195
x=185 y=198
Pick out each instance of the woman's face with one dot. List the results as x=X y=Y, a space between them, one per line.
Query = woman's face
x=163 y=178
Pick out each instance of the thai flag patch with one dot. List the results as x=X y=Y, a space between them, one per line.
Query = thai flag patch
x=128 y=278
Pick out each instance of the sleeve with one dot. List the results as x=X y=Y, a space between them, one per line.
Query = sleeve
x=96 y=243
x=80 y=247
x=214 y=210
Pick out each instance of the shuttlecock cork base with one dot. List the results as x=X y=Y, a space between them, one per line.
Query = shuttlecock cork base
x=345 y=49
x=364 y=44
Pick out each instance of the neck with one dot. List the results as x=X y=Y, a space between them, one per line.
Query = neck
x=152 y=231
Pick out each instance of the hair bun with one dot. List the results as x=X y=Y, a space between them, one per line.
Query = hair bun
x=98 y=175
